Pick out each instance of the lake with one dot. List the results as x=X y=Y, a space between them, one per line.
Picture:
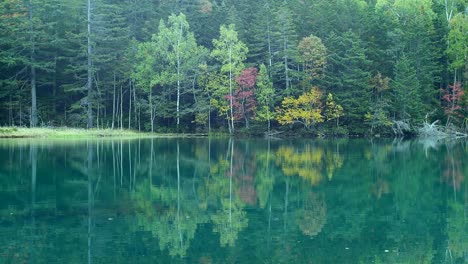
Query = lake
x=233 y=201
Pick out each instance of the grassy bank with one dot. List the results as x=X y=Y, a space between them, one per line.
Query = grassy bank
x=65 y=132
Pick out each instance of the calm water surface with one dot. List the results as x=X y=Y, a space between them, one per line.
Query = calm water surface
x=233 y=201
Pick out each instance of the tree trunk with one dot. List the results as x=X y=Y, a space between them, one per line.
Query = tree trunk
x=209 y=118
x=151 y=110
x=54 y=87
x=269 y=123
x=129 y=105
x=245 y=116
x=230 y=90
x=270 y=53
x=10 y=111
x=33 y=118
x=33 y=98
x=90 y=71
x=286 y=70
x=135 y=105
x=178 y=91
x=121 y=108
x=113 y=105
x=285 y=57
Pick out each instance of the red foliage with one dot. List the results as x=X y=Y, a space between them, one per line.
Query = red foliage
x=243 y=100
x=243 y=171
x=453 y=174
x=247 y=78
x=452 y=96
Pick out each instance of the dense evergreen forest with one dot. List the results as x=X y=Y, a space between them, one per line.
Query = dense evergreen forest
x=337 y=66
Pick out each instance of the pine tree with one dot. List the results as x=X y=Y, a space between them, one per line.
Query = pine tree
x=347 y=77
x=284 y=50
x=265 y=96
x=407 y=103
x=111 y=60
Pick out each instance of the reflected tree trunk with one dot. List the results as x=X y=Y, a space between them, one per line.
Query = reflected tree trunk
x=129 y=167
x=286 y=203
x=134 y=168
x=121 y=163
x=151 y=165
x=89 y=165
x=231 y=141
x=209 y=155
x=113 y=168
x=33 y=157
x=269 y=202
x=178 y=196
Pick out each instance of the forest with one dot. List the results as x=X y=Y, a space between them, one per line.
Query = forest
x=341 y=67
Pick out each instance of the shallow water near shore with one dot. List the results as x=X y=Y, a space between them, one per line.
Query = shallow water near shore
x=233 y=201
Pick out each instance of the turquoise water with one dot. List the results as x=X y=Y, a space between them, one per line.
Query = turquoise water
x=233 y=201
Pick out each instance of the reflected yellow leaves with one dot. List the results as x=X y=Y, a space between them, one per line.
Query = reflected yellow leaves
x=308 y=163
x=229 y=221
x=172 y=208
x=312 y=218
x=220 y=167
x=333 y=161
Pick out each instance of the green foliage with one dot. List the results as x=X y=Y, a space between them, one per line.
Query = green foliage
x=313 y=55
x=284 y=50
x=379 y=115
x=457 y=39
x=265 y=97
x=229 y=50
x=332 y=109
x=231 y=53
x=347 y=76
x=407 y=102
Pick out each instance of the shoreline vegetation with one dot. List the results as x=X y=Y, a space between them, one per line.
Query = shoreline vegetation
x=426 y=131
x=74 y=133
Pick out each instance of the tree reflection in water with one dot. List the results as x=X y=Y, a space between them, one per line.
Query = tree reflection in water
x=216 y=200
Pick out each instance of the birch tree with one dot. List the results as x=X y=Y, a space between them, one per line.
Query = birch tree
x=179 y=52
x=231 y=53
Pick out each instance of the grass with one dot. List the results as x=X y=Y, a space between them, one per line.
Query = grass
x=73 y=133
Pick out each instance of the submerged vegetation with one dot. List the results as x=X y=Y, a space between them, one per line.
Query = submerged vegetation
x=338 y=67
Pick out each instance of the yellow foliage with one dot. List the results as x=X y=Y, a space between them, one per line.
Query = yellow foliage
x=222 y=106
x=306 y=109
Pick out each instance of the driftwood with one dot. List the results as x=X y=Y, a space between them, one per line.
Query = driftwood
x=272 y=134
x=433 y=130
x=401 y=127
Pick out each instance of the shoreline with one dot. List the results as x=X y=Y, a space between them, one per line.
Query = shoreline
x=76 y=133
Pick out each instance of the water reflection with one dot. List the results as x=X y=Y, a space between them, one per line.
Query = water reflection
x=217 y=201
